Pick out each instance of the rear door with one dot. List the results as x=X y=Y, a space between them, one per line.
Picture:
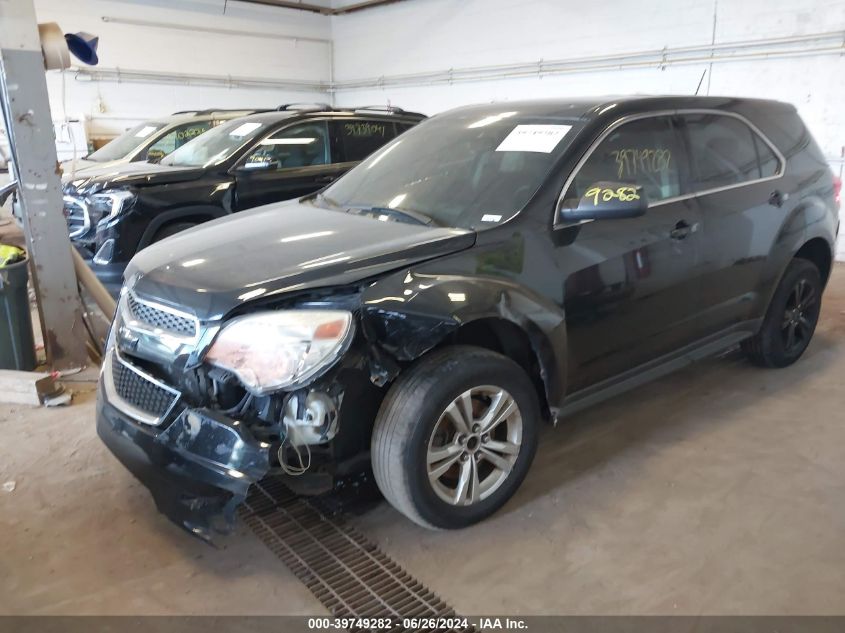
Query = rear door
x=736 y=178
x=288 y=163
x=632 y=297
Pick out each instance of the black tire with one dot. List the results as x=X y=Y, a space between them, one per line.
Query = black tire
x=413 y=417
x=791 y=318
x=171 y=229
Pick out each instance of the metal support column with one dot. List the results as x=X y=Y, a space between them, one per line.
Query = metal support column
x=29 y=125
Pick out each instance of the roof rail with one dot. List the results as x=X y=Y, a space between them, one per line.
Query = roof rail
x=213 y=110
x=381 y=108
x=308 y=107
x=390 y=110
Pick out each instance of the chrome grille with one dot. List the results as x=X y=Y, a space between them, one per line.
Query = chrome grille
x=77 y=216
x=166 y=320
x=136 y=393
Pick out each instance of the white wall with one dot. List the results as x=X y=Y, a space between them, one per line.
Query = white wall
x=432 y=35
x=113 y=106
x=429 y=35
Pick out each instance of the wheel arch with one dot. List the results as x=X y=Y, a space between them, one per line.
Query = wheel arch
x=409 y=315
x=505 y=337
x=195 y=213
x=818 y=251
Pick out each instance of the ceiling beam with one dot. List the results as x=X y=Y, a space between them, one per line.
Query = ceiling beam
x=315 y=8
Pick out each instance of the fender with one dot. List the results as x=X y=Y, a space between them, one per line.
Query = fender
x=194 y=213
x=410 y=313
x=810 y=219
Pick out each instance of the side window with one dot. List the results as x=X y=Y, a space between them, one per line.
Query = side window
x=725 y=151
x=176 y=138
x=300 y=145
x=359 y=138
x=769 y=163
x=642 y=153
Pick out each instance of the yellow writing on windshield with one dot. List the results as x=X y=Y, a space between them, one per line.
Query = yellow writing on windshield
x=362 y=128
x=623 y=194
x=633 y=161
x=189 y=133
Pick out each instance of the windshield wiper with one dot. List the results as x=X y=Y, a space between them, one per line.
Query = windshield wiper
x=416 y=217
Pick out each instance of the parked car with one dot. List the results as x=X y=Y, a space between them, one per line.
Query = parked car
x=494 y=268
x=148 y=141
x=153 y=140
x=241 y=164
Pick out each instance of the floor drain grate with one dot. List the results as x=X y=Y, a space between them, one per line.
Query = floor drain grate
x=345 y=571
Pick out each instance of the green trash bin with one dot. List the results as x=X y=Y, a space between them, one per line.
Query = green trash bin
x=17 y=346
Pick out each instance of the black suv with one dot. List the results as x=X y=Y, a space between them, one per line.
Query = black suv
x=240 y=164
x=495 y=267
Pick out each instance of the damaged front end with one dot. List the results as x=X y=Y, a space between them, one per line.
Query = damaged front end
x=198 y=438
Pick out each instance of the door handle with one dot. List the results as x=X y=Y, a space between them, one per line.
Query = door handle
x=681 y=230
x=777 y=198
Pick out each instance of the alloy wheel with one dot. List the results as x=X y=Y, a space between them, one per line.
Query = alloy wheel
x=474 y=445
x=800 y=316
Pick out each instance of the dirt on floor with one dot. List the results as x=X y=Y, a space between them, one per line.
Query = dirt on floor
x=717 y=490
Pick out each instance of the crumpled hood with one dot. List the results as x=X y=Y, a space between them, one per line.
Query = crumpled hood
x=280 y=248
x=138 y=174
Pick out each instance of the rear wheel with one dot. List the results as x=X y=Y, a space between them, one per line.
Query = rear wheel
x=791 y=318
x=455 y=437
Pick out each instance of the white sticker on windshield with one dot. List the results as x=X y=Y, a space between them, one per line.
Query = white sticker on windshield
x=145 y=131
x=244 y=128
x=489 y=217
x=533 y=138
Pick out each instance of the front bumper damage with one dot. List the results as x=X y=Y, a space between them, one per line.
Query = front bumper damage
x=198 y=468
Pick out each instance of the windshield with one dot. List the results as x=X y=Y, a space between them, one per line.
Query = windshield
x=127 y=142
x=216 y=145
x=462 y=169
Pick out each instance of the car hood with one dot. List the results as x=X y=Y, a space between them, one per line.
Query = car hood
x=279 y=248
x=137 y=174
x=71 y=167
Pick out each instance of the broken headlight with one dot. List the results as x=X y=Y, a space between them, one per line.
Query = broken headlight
x=276 y=350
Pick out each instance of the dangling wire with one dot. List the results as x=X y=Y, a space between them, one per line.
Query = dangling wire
x=291 y=469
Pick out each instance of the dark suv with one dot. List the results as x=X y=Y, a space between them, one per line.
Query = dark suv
x=495 y=267
x=240 y=164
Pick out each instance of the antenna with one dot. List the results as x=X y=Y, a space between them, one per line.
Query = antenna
x=704 y=72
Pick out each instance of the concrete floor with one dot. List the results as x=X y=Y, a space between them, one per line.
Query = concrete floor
x=718 y=490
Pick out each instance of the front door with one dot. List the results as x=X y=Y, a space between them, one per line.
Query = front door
x=290 y=163
x=630 y=297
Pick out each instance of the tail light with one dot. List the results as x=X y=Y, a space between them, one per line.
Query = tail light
x=837 y=191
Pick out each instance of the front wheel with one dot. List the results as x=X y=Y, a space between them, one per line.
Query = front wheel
x=791 y=318
x=455 y=436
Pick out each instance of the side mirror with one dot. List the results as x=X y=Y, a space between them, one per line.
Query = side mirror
x=155 y=155
x=605 y=201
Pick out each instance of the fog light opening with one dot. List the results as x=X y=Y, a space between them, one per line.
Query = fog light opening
x=105 y=252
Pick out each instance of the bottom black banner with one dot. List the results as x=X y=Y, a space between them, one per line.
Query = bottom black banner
x=532 y=624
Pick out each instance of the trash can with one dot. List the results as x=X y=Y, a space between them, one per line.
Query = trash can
x=17 y=346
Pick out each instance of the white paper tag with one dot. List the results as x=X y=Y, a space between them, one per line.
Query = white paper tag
x=489 y=217
x=533 y=138
x=244 y=128
x=145 y=131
